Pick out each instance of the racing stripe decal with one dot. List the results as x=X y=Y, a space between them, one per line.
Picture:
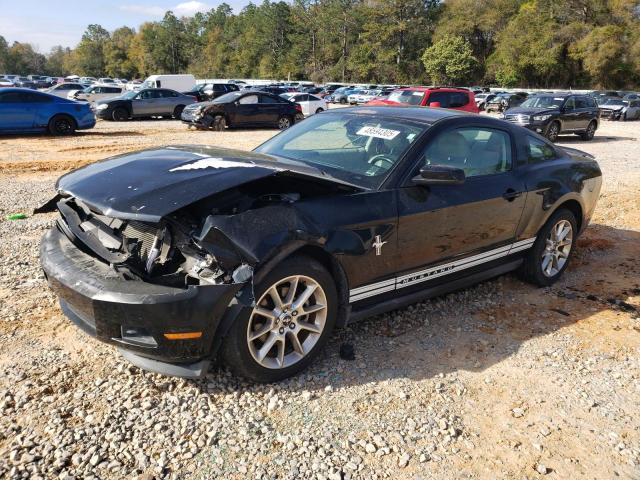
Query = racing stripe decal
x=437 y=271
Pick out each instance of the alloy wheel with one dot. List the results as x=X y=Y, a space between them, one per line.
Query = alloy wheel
x=553 y=132
x=556 y=252
x=284 y=123
x=591 y=130
x=62 y=126
x=287 y=322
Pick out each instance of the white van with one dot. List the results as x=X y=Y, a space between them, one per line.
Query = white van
x=96 y=92
x=180 y=83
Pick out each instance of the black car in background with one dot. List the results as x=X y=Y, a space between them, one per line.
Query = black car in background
x=505 y=101
x=243 y=108
x=554 y=114
x=209 y=91
x=179 y=255
x=24 y=82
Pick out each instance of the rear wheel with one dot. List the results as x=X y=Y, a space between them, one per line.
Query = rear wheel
x=284 y=122
x=553 y=130
x=293 y=317
x=589 y=132
x=219 y=123
x=319 y=110
x=120 y=114
x=551 y=251
x=62 y=125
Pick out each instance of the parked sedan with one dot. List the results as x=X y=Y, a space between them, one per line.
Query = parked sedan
x=23 y=110
x=179 y=255
x=243 y=108
x=619 y=109
x=149 y=102
x=310 y=104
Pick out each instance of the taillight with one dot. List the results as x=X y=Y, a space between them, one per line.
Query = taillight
x=298 y=108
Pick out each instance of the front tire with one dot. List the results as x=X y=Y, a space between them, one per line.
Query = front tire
x=553 y=130
x=552 y=250
x=62 y=125
x=120 y=114
x=293 y=317
x=319 y=110
x=219 y=123
x=178 y=111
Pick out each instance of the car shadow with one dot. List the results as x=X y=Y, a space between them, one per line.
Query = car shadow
x=595 y=139
x=473 y=329
x=80 y=133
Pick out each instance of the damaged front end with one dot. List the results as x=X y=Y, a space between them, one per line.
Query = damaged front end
x=152 y=289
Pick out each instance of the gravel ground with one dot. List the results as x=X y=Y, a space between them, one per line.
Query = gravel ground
x=498 y=381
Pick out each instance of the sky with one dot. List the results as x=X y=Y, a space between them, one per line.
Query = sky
x=46 y=23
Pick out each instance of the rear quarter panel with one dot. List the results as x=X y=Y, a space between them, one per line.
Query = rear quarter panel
x=551 y=184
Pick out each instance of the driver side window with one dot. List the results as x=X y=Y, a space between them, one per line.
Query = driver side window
x=477 y=151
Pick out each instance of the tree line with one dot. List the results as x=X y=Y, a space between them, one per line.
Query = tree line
x=526 y=43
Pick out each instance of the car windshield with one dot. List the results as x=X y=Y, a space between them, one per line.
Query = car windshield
x=613 y=101
x=542 y=102
x=408 y=97
x=360 y=150
x=228 y=97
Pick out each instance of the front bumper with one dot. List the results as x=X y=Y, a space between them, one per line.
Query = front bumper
x=135 y=315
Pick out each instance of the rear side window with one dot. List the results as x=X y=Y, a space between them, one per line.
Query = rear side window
x=581 y=102
x=458 y=99
x=477 y=151
x=539 y=151
x=11 y=97
x=267 y=99
x=441 y=97
x=248 y=99
x=36 y=98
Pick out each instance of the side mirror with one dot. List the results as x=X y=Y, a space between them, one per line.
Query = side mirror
x=439 y=175
x=435 y=104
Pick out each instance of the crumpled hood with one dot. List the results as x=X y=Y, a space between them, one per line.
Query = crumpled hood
x=150 y=184
x=615 y=108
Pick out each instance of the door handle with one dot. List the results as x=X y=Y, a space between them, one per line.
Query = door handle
x=510 y=194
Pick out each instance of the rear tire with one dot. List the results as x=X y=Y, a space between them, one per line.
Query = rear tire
x=62 y=125
x=319 y=110
x=120 y=114
x=589 y=132
x=549 y=257
x=178 y=111
x=284 y=122
x=244 y=353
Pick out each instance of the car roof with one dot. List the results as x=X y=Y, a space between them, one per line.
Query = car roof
x=421 y=114
x=427 y=89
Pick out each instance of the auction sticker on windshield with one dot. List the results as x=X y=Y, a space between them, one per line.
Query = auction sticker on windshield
x=377 y=132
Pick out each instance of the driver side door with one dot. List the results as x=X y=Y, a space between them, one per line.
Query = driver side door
x=474 y=221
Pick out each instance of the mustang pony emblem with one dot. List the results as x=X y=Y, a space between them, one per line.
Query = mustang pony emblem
x=378 y=245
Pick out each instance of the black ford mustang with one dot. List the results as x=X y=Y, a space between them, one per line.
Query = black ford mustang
x=178 y=254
